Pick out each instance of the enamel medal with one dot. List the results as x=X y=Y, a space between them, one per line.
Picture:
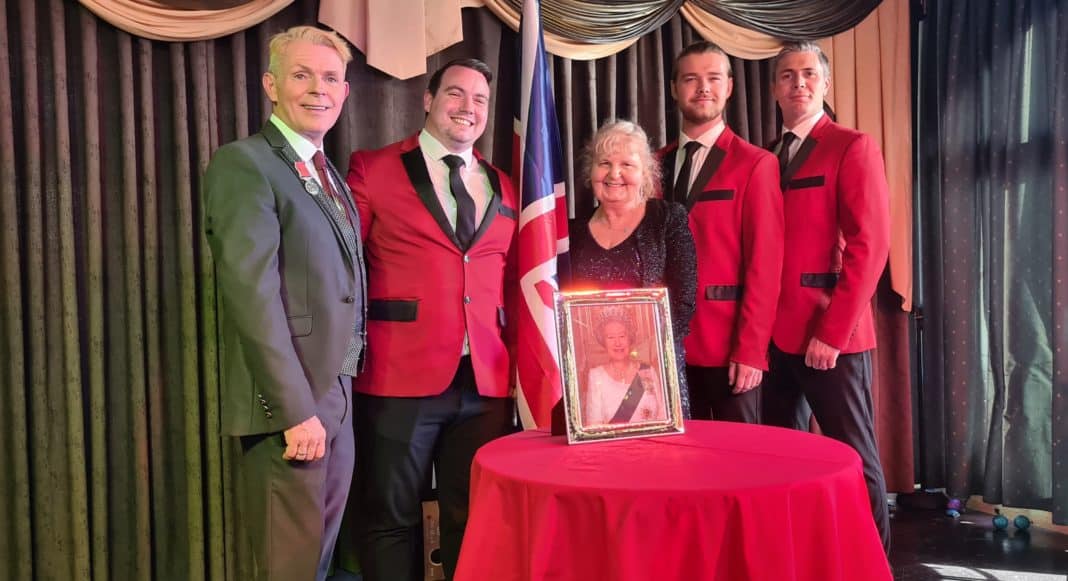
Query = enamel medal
x=310 y=185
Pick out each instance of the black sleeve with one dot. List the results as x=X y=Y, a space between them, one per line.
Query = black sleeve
x=680 y=268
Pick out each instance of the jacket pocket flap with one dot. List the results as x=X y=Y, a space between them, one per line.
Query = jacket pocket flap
x=715 y=195
x=399 y=310
x=801 y=183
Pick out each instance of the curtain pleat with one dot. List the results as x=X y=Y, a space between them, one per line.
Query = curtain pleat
x=66 y=350
x=90 y=233
x=55 y=450
x=154 y=255
x=203 y=310
x=15 y=504
x=129 y=438
x=1059 y=116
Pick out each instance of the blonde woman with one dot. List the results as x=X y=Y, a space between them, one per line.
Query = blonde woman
x=633 y=239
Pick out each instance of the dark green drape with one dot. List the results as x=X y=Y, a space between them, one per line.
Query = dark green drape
x=992 y=119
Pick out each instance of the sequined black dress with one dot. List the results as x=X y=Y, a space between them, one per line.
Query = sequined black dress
x=660 y=252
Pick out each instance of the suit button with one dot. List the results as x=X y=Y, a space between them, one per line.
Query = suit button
x=266 y=408
x=467 y=258
x=349 y=300
x=467 y=300
x=268 y=415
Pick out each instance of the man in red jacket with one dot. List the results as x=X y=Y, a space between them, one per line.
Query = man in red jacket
x=837 y=211
x=731 y=189
x=438 y=223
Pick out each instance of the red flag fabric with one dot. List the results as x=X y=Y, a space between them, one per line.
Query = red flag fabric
x=542 y=247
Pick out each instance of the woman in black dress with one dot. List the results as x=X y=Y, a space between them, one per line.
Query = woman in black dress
x=633 y=239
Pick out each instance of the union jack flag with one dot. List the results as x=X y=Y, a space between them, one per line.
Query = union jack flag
x=538 y=170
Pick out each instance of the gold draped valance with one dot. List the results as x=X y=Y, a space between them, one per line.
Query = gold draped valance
x=188 y=20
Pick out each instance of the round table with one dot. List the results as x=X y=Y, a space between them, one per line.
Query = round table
x=724 y=501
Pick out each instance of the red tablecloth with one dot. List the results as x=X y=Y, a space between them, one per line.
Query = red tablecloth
x=723 y=501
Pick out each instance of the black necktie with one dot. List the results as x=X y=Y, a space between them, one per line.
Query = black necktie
x=788 y=140
x=465 y=204
x=682 y=184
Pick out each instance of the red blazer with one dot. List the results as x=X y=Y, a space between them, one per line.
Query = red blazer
x=737 y=223
x=423 y=290
x=837 y=209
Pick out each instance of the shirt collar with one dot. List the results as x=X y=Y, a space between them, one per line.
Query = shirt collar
x=305 y=149
x=804 y=128
x=433 y=149
x=706 y=139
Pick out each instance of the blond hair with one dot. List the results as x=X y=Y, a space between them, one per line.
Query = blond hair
x=615 y=135
x=328 y=38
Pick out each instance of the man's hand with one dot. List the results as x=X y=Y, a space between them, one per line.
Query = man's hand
x=305 y=441
x=820 y=355
x=743 y=377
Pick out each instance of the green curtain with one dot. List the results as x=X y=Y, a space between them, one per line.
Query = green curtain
x=113 y=463
x=993 y=115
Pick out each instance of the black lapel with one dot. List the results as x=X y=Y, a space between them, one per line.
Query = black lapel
x=667 y=173
x=798 y=160
x=494 y=202
x=418 y=174
x=708 y=169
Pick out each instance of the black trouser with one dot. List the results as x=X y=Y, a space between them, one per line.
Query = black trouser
x=711 y=397
x=399 y=440
x=840 y=398
x=292 y=510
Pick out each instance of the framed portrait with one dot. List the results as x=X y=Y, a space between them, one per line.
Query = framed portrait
x=617 y=364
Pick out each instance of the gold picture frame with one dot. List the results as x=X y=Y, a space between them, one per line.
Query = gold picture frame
x=617 y=364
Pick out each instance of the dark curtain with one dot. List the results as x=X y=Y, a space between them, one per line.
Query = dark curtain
x=992 y=119
x=113 y=466
x=792 y=18
x=604 y=21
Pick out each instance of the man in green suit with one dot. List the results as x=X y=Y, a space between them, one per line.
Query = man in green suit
x=289 y=271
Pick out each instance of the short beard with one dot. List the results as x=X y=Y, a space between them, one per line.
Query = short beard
x=696 y=117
